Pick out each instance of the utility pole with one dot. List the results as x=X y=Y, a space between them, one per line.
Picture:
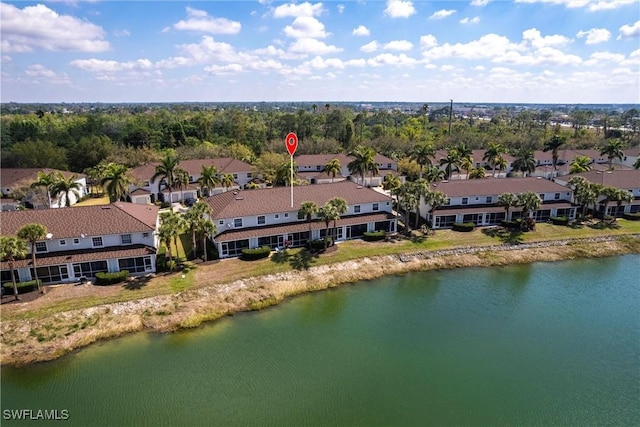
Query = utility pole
x=450 y=115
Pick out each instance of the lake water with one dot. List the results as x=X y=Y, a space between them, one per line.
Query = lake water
x=540 y=344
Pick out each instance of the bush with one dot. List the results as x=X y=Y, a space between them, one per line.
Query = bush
x=23 y=287
x=511 y=224
x=170 y=265
x=319 y=244
x=632 y=216
x=253 y=254
x=463 y=226
x=559 y=220
x=104 y=279
x=372 y=236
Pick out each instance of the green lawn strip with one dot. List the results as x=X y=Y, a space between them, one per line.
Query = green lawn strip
x=93 y=201
x=182 y=281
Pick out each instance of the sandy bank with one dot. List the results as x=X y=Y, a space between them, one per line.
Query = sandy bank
x=46 y=338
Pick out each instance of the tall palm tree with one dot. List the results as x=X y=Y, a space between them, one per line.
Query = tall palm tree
x=171 y=225
x=525 y=161
x=364 y=160
x=46 y=181
x=11 y=249
x=333 y=168
x=63 y=188
x=580 y=164
x=434 y=174
x=636 y=165
x=115 y=181
x=307 y=210
x=500 y=164
x=182 y=181
x=582 y=192
x=208 y=229
x=167 y=171
x=466 y=158
x=435 y=200
x=613 y=150
x=327 y=213
x=492 y=154
x=451 y=162
x=530 y=202
x=227 y=181
x=209 y=178
x=408 y=200
x=508 y=200
x=341 y=207
x=553 y=145
x=421 y=189
x=32 y=233
x=194 y=218
x=422 y=154
x=477 y=173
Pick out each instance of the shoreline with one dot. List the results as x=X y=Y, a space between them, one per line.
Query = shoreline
x=27 y=341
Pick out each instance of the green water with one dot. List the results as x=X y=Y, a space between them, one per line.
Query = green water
x=541 y=344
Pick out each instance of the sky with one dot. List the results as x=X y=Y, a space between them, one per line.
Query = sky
x=521 y=51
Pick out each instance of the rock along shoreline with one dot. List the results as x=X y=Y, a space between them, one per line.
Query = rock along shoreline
x=46 y=338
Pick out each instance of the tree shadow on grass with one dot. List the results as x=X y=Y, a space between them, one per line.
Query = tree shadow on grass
x=280 y=257
x=136 y=283
x=604 y=225
x=506 y=236
x=302 y=260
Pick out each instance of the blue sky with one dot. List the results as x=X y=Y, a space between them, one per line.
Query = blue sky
x=542 y=51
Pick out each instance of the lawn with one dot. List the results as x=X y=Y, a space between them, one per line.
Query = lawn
x=93 y=201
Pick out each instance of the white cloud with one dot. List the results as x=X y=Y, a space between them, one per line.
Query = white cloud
x=468 y=20
x=532 y=37
x=595 y=35
x=224 y=70
x=199 y=20
x=393 y=60
x=361 y=31
x=305 y=27
x=106 y=66
x=479 y=3
x=629 y=31
x=370 y=47
x=40 y=28
x=591 y=5
x=121 y=33
x=312 y=47
x=441 y=14
x=340 y=8
x=398 y=45
x=488 y=46
x=428 y=41
x=297 y=10
x=604 y=58
x=39 y=70
x=399 y=9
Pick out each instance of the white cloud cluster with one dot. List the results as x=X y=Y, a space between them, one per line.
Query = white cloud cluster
x=591 y=5
x=441 y=14
x=399 y=9
x=468 y=20
x=361 y=31
x=200 y=21
x=298 y=10
x=595 y=35
x=305 y=27
x=398 y=45
x=630 y=31
x=40 y=28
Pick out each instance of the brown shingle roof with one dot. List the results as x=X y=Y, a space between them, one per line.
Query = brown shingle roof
x=12 y=176
x=194 y=167
x=235 y=204
x=89 y=220
x=496 y=186
x=627 y=179
x=323 y=159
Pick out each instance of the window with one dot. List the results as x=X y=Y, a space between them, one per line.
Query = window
x=465 y=200
x=356 y=208
x=541 y=196
x=286 y=215
x=448 y=202
x=89 y=269
x=126 y=239
x=41 y=246
x=376 y=206
x=52 y=273
x=135 y=265
x=96 y=241
x=556 y=196
x=76 y=241
x=237 y=222
x=249 y=175
x=145 y=234
x=276 y=216
x=62 y=242
x=235 y=176
x=221 y=222
x=489 y=199
x=234 y=248
x=388 y=165
x=318 y=168
x=261 y=219
x=147 y=183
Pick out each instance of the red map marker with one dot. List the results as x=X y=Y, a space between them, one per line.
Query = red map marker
x=291 y=142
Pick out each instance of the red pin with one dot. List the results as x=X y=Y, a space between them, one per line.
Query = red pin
x=292 y=143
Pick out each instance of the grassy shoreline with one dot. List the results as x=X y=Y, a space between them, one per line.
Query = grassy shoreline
x=173 y=302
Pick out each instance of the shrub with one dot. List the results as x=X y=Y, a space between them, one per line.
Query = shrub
x=511 y=224
x=170 y=265
x=23 y=287
x=463 y=226
x=632 y=216
x=319 y=243
x=559 y=220
x=372 y=236
x=103 y=279
x=253 y=254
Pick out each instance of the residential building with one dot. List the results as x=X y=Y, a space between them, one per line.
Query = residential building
x=254 y=218
x=13 y=178
x=311 y=167
x=84 y=240
x=476 y=201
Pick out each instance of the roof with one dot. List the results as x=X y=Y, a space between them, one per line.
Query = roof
x=12 y=176
x=633 y=152
x=627 y=179
x=495 y=186
x=468 y=209
x=323 y=159
x=194 y=167
x=241 y=203
x=102 y=220
x=82 y=255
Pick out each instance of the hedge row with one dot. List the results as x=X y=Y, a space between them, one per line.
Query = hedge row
x=511 y=224
x=559 y=220
x=372 y=236
x=103 y=279
x=253 y=254
x=23 y=287
x=632 y=216
x=319 y=243
x=463 y=226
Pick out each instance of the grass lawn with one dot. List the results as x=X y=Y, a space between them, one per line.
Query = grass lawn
x=94 y=201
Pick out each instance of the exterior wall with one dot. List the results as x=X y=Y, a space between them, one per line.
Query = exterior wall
x=54 y=245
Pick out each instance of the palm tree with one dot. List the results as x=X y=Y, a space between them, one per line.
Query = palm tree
x=63 y=188
x=182 y=181
x=194 y=218
x=307 y=210
x=451 y=162
x=553 y=145
x=422 y=154
x=525 y=161
x=209 y=178
x=341 y=207
x=434 y=174
x=477 y=173
x=363 y=162
x=530 y=202
x=421 y=189
x=227 y=180
x=171 y=225
x=32 y=233
x=613 y=150
x=466 y=159
x=46 y=181
x=283 y=174
x=208 y=229
x=115 y=181
x=500 y=163
x=580 y=164
x=492 y=154
x=333 y=168
x=327 y=213
x=584 y=193
x=508 y=200
x=435 y=200
x=636 y=165
x=167 y=170
x=165 y=234
x=408 y=200
x=12 y=248
x=612 y=194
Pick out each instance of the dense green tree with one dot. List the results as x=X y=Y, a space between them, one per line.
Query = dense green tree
x=12 y=249
x=451 y=162
x=327 y=213
x=45 y=180
x=63 y=188
x=508 y=200
x=167 y=171
x=209 y=178
x=525 y=161
x=613 y=150
x=37 y=154
x=364 y=160
x=492 y=156
x=530 y=202
x=422 y=153
x=554 y=145
x=115 y=180
x=580 y=164
x=307 y=210
x=341 y=208
x=333 y=168
x=31 y=234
